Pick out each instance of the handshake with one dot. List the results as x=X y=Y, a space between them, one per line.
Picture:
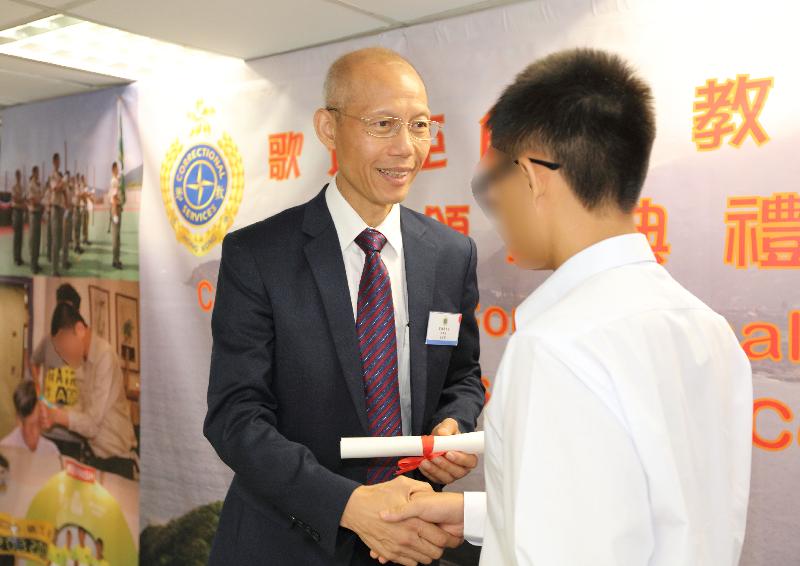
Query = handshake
x=404 y=520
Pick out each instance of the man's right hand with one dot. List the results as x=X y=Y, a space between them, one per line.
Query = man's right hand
x=409 y=542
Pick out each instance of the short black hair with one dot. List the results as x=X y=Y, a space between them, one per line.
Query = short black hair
x=56 y=156
x=25 y=398
x=591 y=113
x=66 y=293
x=65 y=317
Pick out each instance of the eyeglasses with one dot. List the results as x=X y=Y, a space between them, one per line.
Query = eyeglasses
x=389 y=126
x=494 y=166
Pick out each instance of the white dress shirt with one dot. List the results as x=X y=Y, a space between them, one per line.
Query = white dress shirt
x=102 y=413
x=348 y=226
x=619 y=429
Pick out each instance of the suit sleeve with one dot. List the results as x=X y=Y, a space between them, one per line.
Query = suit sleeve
x=241 y=419
x=463 y=394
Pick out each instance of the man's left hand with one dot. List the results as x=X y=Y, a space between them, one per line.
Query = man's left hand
x=50 y=416
x=452 y=465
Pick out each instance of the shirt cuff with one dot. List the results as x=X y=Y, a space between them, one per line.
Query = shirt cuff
x=474 y=516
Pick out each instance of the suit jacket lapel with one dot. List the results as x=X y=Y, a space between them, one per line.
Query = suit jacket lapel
x=420 y=263
x=325 y=258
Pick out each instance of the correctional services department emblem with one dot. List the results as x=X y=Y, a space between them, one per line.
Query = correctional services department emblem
x=202 y=183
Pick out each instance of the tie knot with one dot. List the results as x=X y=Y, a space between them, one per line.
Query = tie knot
x=371 y=240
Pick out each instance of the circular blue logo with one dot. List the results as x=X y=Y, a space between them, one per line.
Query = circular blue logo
x=200 y=184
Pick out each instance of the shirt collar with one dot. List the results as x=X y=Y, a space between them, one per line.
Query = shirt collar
x=349 y=224
x=597 y=258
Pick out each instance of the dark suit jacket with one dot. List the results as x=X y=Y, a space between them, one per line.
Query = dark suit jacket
x=286 y=385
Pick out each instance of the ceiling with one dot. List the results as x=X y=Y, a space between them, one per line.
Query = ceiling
x=247 y=29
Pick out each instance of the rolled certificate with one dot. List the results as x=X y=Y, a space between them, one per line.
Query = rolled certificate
x=389 y=446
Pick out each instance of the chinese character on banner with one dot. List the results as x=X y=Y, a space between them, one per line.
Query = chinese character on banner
x=652 y=222
x=437 y=147
x=763 y=231
x=455 y=216
x=486 y=135
x=334 y=164
x=730 y=110
x=284 y=149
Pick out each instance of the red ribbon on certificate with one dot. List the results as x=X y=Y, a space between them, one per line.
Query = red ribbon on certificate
x=411 y=463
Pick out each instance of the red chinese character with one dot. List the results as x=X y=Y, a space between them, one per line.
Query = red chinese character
x=334 y=164
x=437 y=146
x=284 y=149
x=486 y=135
x=455 y=216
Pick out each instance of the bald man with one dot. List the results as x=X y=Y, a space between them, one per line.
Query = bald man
x=321 y=331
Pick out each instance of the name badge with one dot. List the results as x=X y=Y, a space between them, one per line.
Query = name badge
x=443 y=329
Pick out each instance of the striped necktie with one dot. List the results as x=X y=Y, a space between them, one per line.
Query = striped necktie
x=377 y=341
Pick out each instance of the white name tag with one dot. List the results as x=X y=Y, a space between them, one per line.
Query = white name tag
x=443 y=328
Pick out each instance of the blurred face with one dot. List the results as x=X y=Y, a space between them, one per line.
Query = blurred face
x=56 y=162
x=510 y=192
x=18 y=175
x=31 y=428
x=69 y=343
x=380 y=170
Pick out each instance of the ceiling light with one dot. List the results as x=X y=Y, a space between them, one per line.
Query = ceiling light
x=78 y=44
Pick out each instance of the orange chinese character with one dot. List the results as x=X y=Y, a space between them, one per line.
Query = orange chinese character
x=652 y=223
x=718 y=105
x=334 y=164
x=455 y=216
x=763 y=231
x=486 y=135
x=284 y=149
x=437 y=146
x=741 y=237
x=780 y=231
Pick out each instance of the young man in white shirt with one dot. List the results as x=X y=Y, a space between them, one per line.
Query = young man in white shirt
x=101 y=414
x=619 y=430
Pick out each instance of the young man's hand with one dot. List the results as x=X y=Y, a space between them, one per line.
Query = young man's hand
x=444 y=509
x=405 y=541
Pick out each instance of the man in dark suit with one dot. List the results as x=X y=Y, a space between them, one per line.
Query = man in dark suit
x=320 y=326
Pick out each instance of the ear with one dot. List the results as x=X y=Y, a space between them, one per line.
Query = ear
x=325 y=127
x=536 y=180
